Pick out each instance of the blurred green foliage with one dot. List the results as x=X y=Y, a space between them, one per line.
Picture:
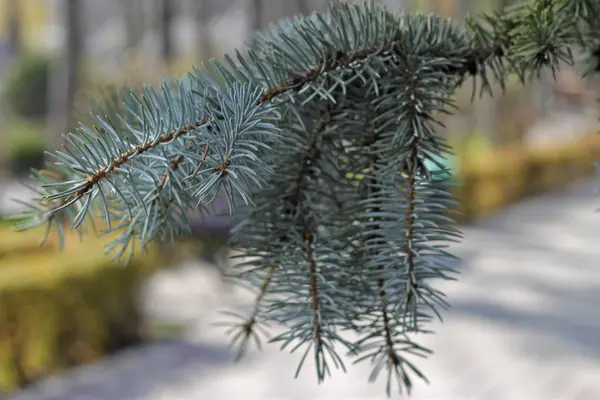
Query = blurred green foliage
x=60 y=309
x=27 y=84
x=492 y=181
x=24 y=144
x=472 y=144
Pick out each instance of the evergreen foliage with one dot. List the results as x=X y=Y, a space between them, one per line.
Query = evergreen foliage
x=341 y=263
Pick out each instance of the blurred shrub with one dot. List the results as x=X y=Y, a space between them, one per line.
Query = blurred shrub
x=26 y=91
x=511 y=174
x=24 y=145
x=475 y=144
x=59 y=309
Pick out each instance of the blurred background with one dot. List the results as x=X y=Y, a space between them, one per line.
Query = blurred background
x=64 y=313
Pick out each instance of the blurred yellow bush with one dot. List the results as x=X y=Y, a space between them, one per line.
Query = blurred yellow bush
x=59 y=309
x=508 y=175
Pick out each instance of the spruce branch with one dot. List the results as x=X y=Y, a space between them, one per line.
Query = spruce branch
x=325 y=129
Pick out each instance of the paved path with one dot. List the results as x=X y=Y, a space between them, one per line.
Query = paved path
x=525 y=324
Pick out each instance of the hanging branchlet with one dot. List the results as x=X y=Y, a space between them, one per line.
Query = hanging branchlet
x=241 y=333
x=305 y=264
x=386 y=327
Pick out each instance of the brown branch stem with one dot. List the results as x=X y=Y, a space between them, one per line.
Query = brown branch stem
x=103 y=172
x=410 y=233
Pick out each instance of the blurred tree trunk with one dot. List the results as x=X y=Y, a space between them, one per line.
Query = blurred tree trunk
x=134 y=23
x=303 y=7
x=166 y=18
x=13 y=23
x=203 y=13
x=65 y=75
x=255 y=15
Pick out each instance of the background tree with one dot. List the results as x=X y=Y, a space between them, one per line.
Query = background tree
x=167 y=11
x=203 y=12
x=13 y=23
x=134 y=23
x=255 y=13
x=303 y=7
x=65 y=75
x=330 y=130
